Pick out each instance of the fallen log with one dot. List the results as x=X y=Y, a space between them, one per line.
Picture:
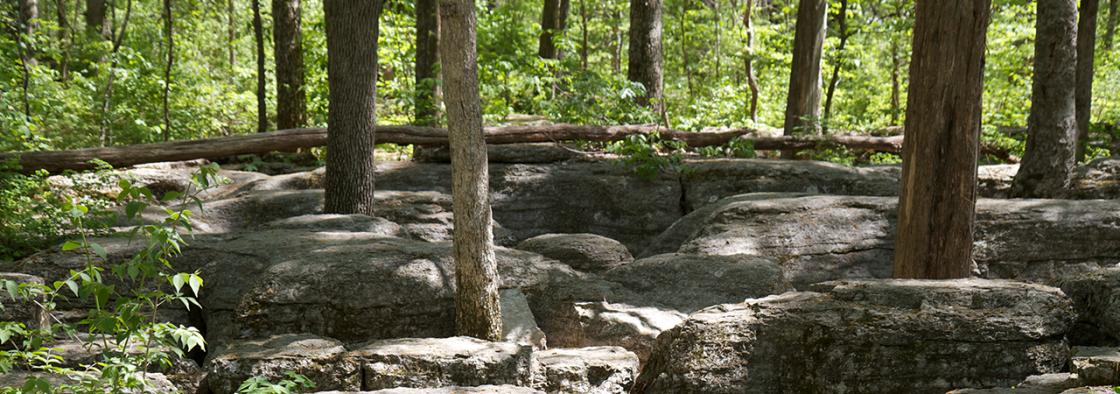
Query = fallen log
x=293 y=139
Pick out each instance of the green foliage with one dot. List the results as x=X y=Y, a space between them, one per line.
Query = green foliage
x=122 y=321
x=647 y=155
x=294 y=383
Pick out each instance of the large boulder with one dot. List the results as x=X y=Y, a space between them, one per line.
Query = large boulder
x=687 y=282
x=351 y=286
x=440 y=362
x=909 y=336
x=1097 y=366
x=1096 y=295
x=593 y=370
x=708 y=181
x=320 y=359
x=818 y=238
x=584 y=252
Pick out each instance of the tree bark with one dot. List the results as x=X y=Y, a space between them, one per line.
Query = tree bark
x=616 y=50
x=65 y=31
x=585 y=44
x=803 y=103
x=97 y=24
x=291 y=140
x=231 y=33
x=937 y=202
x=1086 y=51
x=427 y=63
x=896 y=85
x=258 y=38
x=748 y=60
x=554 y=19
x=169 y=30
x=352 y=29
x=842 y=30
x=644 y=65
x=685 y=62
x=291 y=100
x=1052 y=123
x=477 y=311
x=1110 y=30
x=106 y=135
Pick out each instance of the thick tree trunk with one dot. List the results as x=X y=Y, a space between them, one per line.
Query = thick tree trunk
x=291 y=100
x=937 y=202
x=477 y=312
x=96 y=23
x=842 y=30
x=258 y=38
x=1086 y=50
x=290 y=140
x=1110 y=30
x=169 y=31
x=554 y=19
x=352 y=29
x=1052 y=123
x=803 y=104
x=427 y=63
x=644 y=65
x=748 y=60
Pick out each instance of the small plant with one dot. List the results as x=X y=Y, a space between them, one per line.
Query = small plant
x=294 y=383
x=643 y=153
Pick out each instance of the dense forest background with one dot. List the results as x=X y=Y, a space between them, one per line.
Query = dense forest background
x=65 y=101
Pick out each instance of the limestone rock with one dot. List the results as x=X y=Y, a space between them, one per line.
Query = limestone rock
x=1097 y=366
x=1096 y=295
x=584 y=252
x=333 y=222
x=319 y=359
x=867 y=336
x=23 y=311
x=687 y=282
x=440 y=362
x=485 y=389
x=708 y=181
x=597 y=370
x=518 y=324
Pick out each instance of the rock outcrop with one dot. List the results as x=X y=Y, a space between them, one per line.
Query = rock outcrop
x=1096 y=295
x=439 y=362
x=319 y=359
x=584 y=252
x=593 y=370
x=867 y=336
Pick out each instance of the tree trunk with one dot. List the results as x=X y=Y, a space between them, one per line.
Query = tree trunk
x=1052 y=123
x=585 y=44
x=258 y=38
x=477 y=311
x=97 y=24
x=427 y=63
x=231 y=33
x=169 y=30
x=28 y=23
x=553 y=19
x=1110 y=31
x=896 y=85
x=937 y=202
x=106 y=136
x=65 y=31
x=685 y=62
x=644 y=65
x=616 y=50
x=748 y=60
x=1086 y=50
x=803 y=104
x=291 y=100
x=842 y=30
x=352 y=29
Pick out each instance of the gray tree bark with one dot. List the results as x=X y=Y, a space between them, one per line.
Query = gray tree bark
x=258 y=39
x=478 y=313
x=287 y=37
x=644 y=65
x=352 y=29
x=844 y=34
x=1086 y=51
x=803 y=103
x=96 y=23
x=1052 y=123
x=937 y=202
x=748 y=60
x=427 y=63
x=169 y=31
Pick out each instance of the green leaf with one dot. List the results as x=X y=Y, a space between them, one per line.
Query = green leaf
x=178 y=282
x=170 y=196
x=99 y=250
x=195 y=282
x=73 y=286
x=71 y=245
x=133 y=208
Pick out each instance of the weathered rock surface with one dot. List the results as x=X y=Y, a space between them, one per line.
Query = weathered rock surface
x=1097 y=179
x=687 y=282
x=1096 y=295
x=1050 y=383
x=440 y=362
x=350 y=286
x=154 y=383
x=508 y=153
x=23 y=311
x=518 y=324
x=709 y=181
x=486 y=389
x=597 y=370
x=584 y=252
x=867 y=336
x=319 y=359
x=818 y=238
x=1097 y=366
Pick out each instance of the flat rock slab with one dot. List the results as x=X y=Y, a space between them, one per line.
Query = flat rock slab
x=583 y=252
x=487 y=389
x=867 y=336
x=819 y=238
x=597 y=370
x=1097 y=366
x=320 y=359
x=686 y=282
x=440 y=362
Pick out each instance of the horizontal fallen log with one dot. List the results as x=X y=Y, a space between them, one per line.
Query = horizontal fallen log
x=293 y=139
